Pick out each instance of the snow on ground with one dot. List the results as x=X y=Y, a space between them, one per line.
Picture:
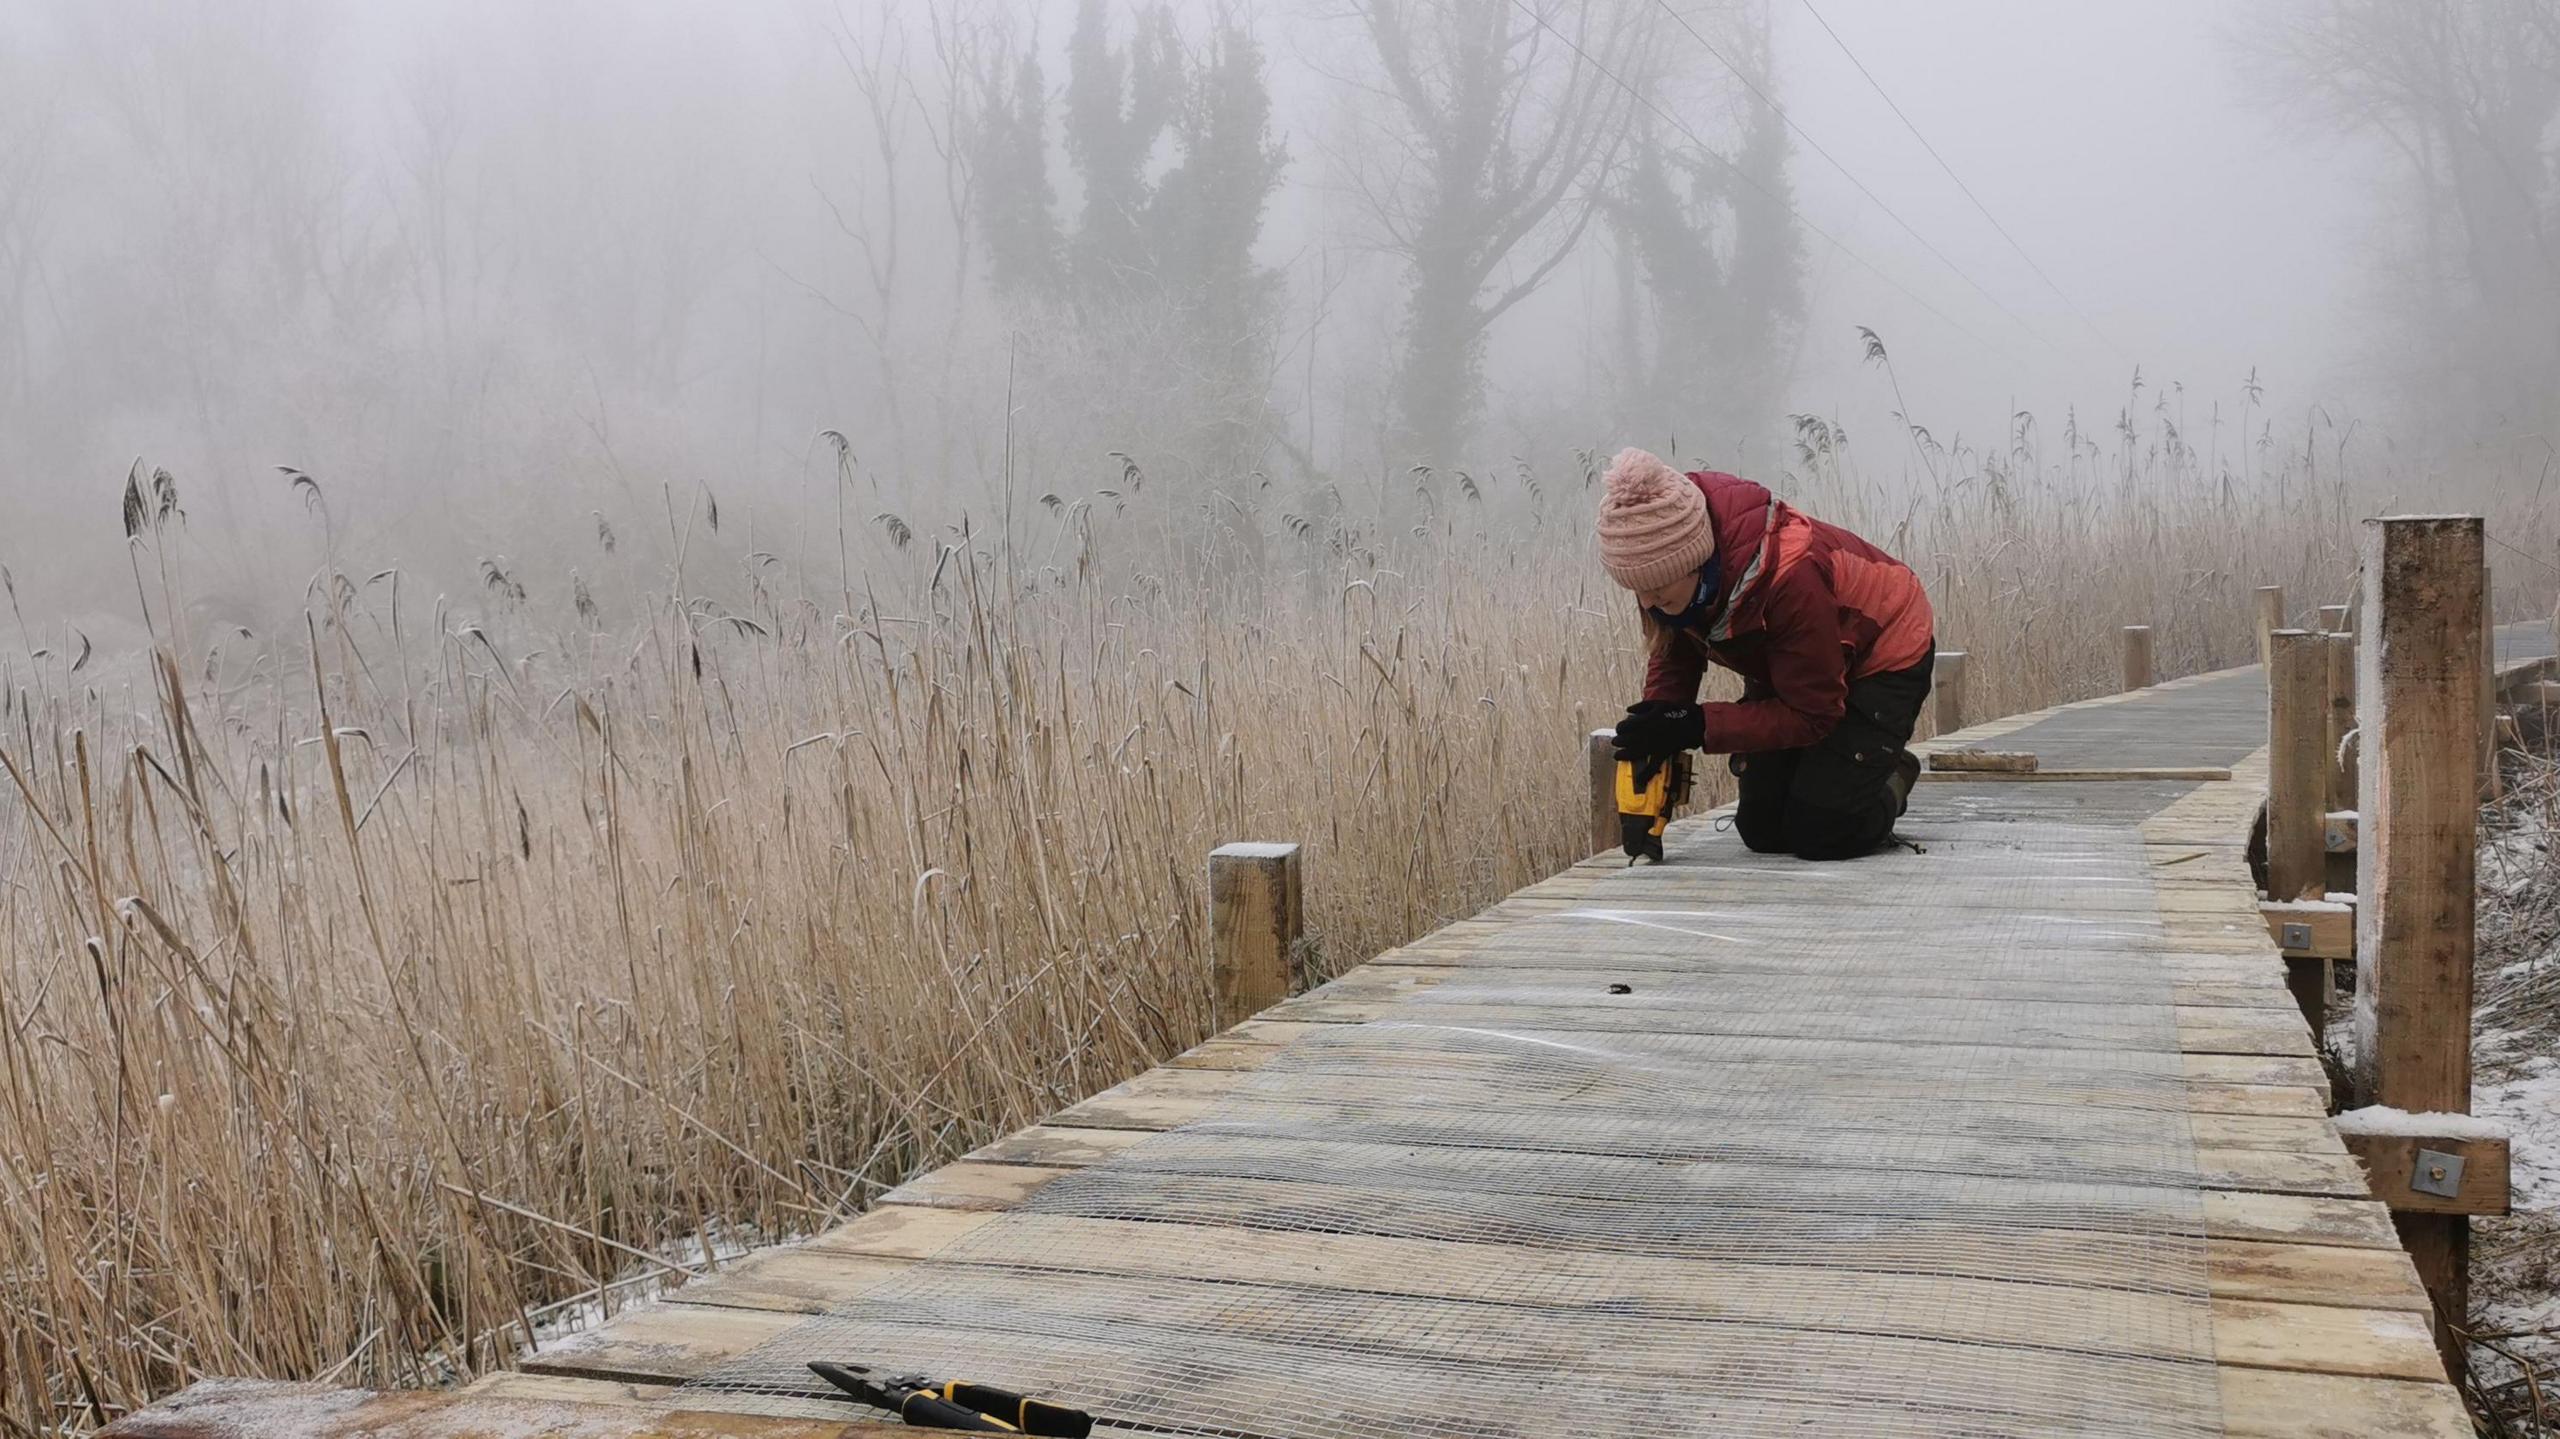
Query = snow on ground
x=2516 y=1060
x=2529 y=1106
x=2515 y=1261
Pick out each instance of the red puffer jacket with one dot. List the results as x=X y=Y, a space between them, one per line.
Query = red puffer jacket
x=1807 y=607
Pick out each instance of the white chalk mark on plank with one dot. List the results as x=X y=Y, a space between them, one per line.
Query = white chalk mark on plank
x=1613 y=916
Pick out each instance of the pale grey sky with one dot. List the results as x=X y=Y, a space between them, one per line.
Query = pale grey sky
x=2121 y=146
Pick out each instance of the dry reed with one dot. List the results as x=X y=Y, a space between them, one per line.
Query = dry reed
x=370 y=999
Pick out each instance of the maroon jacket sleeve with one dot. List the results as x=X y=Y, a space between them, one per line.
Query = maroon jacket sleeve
x=1675 y=669
x=1808 y=672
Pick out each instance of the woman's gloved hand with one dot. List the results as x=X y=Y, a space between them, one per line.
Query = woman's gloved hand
x=1659 y=729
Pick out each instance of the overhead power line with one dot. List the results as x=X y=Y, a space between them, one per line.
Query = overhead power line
x=1878 y=86
x=1780 y=201
x=1816 y=146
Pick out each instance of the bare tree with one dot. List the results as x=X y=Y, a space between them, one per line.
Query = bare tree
x=1496 y=122
x=877 y=58
x=2467 y=97
x=1710 y=269
x=217 y=114
x=1150 y=316
x=951 y=85
x=964 y=33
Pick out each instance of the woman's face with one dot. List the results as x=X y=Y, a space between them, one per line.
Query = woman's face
x=1672 y=597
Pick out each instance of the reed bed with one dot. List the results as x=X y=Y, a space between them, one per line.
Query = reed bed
x=374 y=992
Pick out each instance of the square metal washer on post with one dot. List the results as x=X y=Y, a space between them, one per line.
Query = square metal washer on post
x=2437 y=1173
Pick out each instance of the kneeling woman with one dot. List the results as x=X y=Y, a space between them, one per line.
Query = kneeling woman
x=1832 y=637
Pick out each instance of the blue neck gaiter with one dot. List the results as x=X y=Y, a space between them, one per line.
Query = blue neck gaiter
x=1700 y=604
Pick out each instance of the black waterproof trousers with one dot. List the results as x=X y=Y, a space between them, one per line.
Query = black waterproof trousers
x=1829 y=799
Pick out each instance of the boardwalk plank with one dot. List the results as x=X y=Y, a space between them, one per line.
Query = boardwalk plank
x=811 y=1279
x=672 y=1343
x=525 y=1407
x=994 y=1183
x=1160 y=1099
x=2204 y=1031
x=2371 y=1276
x=2257 y=1403
x=2321 y=1339
x=661 y=1343
x=2269 y=1404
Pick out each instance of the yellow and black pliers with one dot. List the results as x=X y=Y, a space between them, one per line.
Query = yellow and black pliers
x=956 y=1403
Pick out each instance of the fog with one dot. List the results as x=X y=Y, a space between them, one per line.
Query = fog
x=2128 y=150
x=514 y=282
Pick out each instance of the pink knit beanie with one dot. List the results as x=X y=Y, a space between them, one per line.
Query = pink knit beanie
x=1653 y=522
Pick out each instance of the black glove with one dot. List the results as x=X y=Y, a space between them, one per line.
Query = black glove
x=1659 y=729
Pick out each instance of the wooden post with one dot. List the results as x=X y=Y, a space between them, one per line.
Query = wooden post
x=2298 y=796
x=2270 y=616
x=1256 y=915
x=2488 y=685
x=1947 y=683
x=2418 y=696
x=2137 y=657
x=2297 y=780
x=2333 y=619
x=2339 y=650
x=1604 y=791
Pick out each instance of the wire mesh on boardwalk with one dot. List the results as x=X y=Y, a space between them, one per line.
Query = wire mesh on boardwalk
x=1927 y=1172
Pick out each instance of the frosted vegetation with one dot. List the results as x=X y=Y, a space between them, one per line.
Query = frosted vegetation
x=702 y=578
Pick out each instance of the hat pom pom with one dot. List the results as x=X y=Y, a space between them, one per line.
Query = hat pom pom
x=1635 y=472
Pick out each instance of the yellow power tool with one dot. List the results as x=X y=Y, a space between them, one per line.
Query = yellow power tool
x=1648 y=791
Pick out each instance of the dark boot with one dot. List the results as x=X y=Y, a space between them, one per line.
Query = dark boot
x=1906 y=773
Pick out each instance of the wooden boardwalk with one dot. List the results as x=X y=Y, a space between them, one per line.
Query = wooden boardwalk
x=2308 y=1319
